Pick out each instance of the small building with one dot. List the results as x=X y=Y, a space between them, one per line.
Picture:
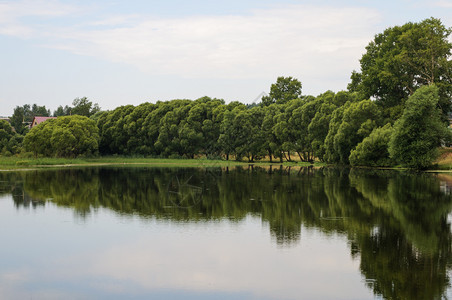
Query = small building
x=39 y=120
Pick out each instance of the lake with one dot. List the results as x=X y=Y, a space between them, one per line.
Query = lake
x=224 y=233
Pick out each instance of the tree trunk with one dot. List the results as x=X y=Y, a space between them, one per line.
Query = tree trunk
x=299 y=155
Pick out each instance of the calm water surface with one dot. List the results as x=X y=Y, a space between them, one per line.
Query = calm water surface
x=241 y=233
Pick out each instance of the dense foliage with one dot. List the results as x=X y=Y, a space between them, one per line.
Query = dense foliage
x=402 y=59
x=69 y=136
x=419 y=132
x=23 y=116
x=81 y=106
x=211 y=128
x=373 y=150
x=10 y=141
x=284 y=90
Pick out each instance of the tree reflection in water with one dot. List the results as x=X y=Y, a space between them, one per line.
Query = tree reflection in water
x=396 y=223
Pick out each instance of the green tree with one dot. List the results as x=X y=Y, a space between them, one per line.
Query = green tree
x=10 y=141
x=230 y=137
x=319 y=125
x=171 y=126
x=373 y=150
x=62 y=111
x=284 y=132
x=272 y=142
x=419 y=132
x=299 y=122
x=357 y=122
x=134 y=125
x=112 y=130
x=284 y=90
x=23 y=116
x=84 y=107
x=331 y=155
x=69 y=136
x=37 y=110
x=248 y=130
x=402 y=59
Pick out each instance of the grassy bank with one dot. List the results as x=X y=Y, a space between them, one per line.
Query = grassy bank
x=444 y=162
x=7 y=163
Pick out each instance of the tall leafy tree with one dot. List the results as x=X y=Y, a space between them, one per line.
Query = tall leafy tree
x=23 y=116
x=230 y=135
x=419 y=132
x=272 y=142
x=319 y=125
x=172 y=125
x=136 y=131
x=350 y=124
x=84 y=107
x=248 y=124
x=62 y=111
x=284 y=90
x=112 y=131
x=402 y=59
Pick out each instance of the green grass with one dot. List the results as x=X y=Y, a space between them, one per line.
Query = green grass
x=27 y=163
x=444 y=162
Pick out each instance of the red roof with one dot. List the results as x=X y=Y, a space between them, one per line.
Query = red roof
x=38 y=120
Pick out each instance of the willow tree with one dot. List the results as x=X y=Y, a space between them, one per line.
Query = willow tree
x=419 y=132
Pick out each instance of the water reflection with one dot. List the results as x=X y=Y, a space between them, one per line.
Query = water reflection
x=396 y=223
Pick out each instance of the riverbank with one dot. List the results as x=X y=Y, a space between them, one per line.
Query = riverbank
x=442 y=165
x=8 y=163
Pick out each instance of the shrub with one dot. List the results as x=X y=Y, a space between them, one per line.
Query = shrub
x=373 y=150
x=69 y=136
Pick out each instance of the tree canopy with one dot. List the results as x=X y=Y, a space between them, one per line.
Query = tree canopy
x=23 y=116
x=69 y=136
x=402 y=59
x=81 y=106
x=419 y=132
x=285 y=89
x=10 y=141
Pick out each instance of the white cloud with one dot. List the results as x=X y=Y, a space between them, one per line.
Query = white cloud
x=12 y=14
x=444 y=3
x=305 y=40
x=268 y=42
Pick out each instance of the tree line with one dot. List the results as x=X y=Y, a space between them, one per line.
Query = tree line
x=395 y=111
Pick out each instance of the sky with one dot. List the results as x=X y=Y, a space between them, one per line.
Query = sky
x=129 y=52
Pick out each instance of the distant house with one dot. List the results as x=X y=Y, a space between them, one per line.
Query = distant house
x=38 y=120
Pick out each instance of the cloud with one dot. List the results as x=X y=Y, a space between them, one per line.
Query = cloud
x=444 y=4
x=279 y=40
x=273 y=41
x=14 y=13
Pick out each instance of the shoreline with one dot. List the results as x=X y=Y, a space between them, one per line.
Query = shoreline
x=16 y=164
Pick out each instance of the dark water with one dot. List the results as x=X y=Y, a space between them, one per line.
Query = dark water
x=242 y=233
